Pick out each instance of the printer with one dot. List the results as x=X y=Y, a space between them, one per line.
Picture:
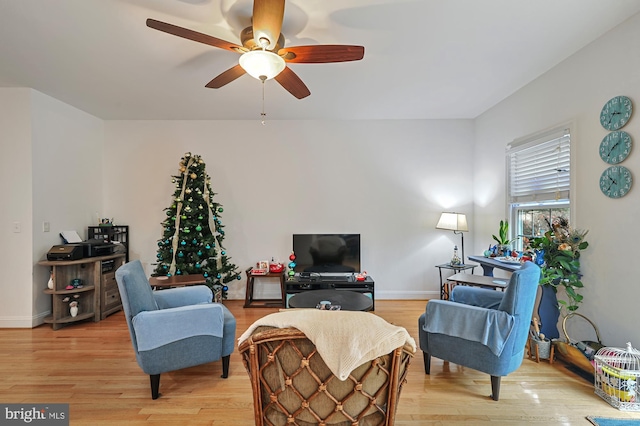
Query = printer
x=97 y=247
x=66 y=252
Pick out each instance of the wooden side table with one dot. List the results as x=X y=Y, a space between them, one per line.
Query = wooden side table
x=251 y=302
x=176 y=281
x=444 y=286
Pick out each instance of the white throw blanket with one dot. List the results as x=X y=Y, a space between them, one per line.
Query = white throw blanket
x=344 y=339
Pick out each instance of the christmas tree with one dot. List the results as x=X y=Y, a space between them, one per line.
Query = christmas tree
x=193 y=232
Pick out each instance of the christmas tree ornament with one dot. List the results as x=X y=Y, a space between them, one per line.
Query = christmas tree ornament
x=169 y=212
x=225 y=288
x=220 y=209
x=199 y=252
x=183 y=243
x=292 y=256
x=238 y=277
x=198 y=265
x=178 y=272
x=291 y=273
x=218 y=276
x=188 y=190
x=198 y=227
x=223 y=252
x=193 y=175
x=194 y=241
x=292 y=265
x=180 y=254
x=183 y=217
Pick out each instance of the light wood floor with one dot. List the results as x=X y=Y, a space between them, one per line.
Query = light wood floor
x=92 y=367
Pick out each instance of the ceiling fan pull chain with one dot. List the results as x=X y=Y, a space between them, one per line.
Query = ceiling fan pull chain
x=263 y=115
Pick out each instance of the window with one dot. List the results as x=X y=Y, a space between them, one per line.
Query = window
x=538 y=182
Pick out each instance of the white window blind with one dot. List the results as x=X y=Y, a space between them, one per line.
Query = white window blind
x=539 y=169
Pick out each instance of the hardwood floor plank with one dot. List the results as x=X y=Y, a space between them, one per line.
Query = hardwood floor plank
x=92 y=367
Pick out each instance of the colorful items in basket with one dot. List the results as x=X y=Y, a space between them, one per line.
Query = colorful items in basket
x=75 y=283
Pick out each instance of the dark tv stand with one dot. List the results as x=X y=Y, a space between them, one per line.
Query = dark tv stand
x=298 y=284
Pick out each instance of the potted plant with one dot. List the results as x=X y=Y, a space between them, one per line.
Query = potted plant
x=558 y=254
x=504 y=243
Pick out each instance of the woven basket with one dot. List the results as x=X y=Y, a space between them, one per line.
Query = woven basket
x=293 y=386
x=570 y=353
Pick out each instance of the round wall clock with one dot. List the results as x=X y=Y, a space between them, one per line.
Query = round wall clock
x=616 y=181
x=616 y=113
x=615 y=147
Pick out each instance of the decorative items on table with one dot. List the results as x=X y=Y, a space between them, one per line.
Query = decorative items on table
x=75 y=283
x=455 y=259
x=503 y=240
x=50 y=282
x=456 y=222
x=73 y=308
x=292 y=264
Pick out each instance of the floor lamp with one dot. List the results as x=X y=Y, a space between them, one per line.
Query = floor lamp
x=456 y=222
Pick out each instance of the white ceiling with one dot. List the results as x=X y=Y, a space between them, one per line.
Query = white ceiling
x=424 y=59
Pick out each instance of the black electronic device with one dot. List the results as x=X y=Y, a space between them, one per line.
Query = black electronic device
x=93 y=248
x=327 y=253
x=66 y=252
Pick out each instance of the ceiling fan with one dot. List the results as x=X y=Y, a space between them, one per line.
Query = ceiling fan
x=263 y=53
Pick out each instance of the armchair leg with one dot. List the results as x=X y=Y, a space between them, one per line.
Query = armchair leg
x=225 y=366
x=155 y=385
x=495 y=387
x=427 y=362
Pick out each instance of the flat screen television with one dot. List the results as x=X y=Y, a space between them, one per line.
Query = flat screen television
x=327 y=253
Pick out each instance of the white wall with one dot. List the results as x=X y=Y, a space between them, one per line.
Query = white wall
x=575 y=91
x=387 y=180
x=16 y=178
x=51 y=170
x=67 y=181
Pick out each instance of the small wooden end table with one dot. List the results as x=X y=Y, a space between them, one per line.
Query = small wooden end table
x=176 y=281
x=251 y=302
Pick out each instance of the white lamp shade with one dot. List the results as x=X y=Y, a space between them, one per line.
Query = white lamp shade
x=262 y=64
x=453 y=222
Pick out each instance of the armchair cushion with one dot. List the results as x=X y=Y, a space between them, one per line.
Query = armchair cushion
x=475 y=296
x=183 y=296
x=489 y=327
x=154 y=329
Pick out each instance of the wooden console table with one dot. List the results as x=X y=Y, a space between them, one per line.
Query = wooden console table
x=488 y=263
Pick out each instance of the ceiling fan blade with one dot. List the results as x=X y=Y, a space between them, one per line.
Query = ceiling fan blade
x=193 y=35
x=322 y=53
x=292 y=83
x=267 y=21
x=226 y=77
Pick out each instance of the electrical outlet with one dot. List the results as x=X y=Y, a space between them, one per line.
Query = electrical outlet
x=17 y=227
x=45 y=226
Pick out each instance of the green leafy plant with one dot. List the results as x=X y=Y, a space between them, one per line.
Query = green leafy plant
x=503 y=234
x=560 y=249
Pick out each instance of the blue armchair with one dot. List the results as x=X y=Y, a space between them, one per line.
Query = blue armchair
x=482 y=329
x=176 y=328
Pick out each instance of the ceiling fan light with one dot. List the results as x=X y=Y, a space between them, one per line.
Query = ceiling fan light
x=262 y=64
